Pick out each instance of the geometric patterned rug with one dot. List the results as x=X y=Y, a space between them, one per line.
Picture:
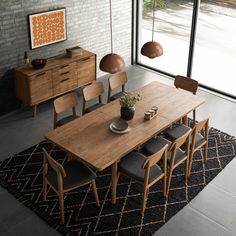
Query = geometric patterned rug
x=21 y=175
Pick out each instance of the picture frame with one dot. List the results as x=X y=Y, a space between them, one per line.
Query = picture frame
x=47 y=27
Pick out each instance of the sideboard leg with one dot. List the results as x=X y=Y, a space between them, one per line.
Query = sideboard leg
x=34 y=110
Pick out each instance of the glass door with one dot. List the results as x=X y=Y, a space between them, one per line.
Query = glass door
x=214 y=61
x=172 y=29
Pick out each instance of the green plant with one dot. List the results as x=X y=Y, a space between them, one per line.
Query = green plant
x=148 y=5
x=129 y=100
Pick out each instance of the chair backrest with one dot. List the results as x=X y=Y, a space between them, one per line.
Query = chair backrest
x=57 y=167
x=65 y=102
x=117 y=79
x=184 y=139
x=186 y=83
x=156 y=157
x=152 y=160
x=198 y=127
x=93 y=90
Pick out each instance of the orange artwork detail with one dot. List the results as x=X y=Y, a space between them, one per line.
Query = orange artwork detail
x=48 y=28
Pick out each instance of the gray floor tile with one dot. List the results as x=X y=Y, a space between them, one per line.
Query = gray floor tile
x=224 y=179
x=7 y=233
x=232 y=226
x=227 y=232
x=189 y=222
x=12 y=210
x=216 y=204
x=33 y=225
x=3 y=229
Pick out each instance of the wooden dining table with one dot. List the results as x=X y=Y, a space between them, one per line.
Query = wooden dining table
x=89 y=138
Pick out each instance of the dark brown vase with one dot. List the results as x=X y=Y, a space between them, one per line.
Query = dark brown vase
x=127 y=113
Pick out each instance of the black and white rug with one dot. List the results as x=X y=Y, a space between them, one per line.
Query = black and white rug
x=22 y=176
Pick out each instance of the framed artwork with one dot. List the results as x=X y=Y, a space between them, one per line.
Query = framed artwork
x=47 y=27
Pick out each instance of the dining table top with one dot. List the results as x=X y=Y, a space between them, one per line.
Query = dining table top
x=90 y=139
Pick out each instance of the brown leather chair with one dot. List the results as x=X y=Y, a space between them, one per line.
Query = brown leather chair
x=66 y=177
x=115 y=81
x=63 y=104
x=91 y=92
x=145 y=170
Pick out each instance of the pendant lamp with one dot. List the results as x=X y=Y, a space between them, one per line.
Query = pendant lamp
x=112 y=62
x=152 y=49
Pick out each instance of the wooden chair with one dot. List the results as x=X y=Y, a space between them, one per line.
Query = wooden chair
x=199 y=140
x=187 y=84
x=176 y=155
x=62 y=104
x=90 y=92
x=145 y=170
x=116 y=80
x=66 y=177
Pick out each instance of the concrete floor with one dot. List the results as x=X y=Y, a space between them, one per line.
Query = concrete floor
x=19 y=130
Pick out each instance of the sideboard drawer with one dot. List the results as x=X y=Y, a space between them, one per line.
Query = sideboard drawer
x=64 y=79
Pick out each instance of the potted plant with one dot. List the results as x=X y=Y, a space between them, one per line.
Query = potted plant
x=127 y=104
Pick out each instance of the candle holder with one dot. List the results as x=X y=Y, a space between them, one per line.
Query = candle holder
x=150 y=114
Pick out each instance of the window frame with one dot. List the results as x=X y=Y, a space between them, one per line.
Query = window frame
x=135 y=46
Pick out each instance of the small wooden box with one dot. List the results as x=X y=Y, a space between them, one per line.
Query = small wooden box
x=74 y=52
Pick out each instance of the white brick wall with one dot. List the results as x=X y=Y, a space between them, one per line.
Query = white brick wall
x=87 y=26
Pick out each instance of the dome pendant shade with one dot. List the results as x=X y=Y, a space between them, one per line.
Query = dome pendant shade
x=112 y=63
x=152 y=49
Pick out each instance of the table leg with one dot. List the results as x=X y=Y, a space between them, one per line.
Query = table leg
x=185 y=120
x=113 y=182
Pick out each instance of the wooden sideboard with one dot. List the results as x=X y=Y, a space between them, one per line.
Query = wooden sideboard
x=60 y=75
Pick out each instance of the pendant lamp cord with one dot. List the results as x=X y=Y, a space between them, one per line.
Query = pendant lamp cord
x=111 y=28
x=153 y=19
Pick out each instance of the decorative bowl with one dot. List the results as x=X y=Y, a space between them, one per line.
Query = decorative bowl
x=38 y=63
x=120 y=125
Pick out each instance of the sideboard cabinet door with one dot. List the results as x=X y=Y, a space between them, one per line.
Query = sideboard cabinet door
x=86 y=70
x=40 y=87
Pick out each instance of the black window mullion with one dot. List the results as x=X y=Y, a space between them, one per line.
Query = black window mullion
x=196 y=4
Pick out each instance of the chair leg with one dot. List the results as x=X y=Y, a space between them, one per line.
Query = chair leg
x=44 y=189
x=186 y=170
x=95 y=192
x=61 y=202
x=143 y=207
x=164 y=188
x=205 y=152
x=190 y=162
x=168 y=180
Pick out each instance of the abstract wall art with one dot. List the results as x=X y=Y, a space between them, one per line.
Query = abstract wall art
x=47 y=27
